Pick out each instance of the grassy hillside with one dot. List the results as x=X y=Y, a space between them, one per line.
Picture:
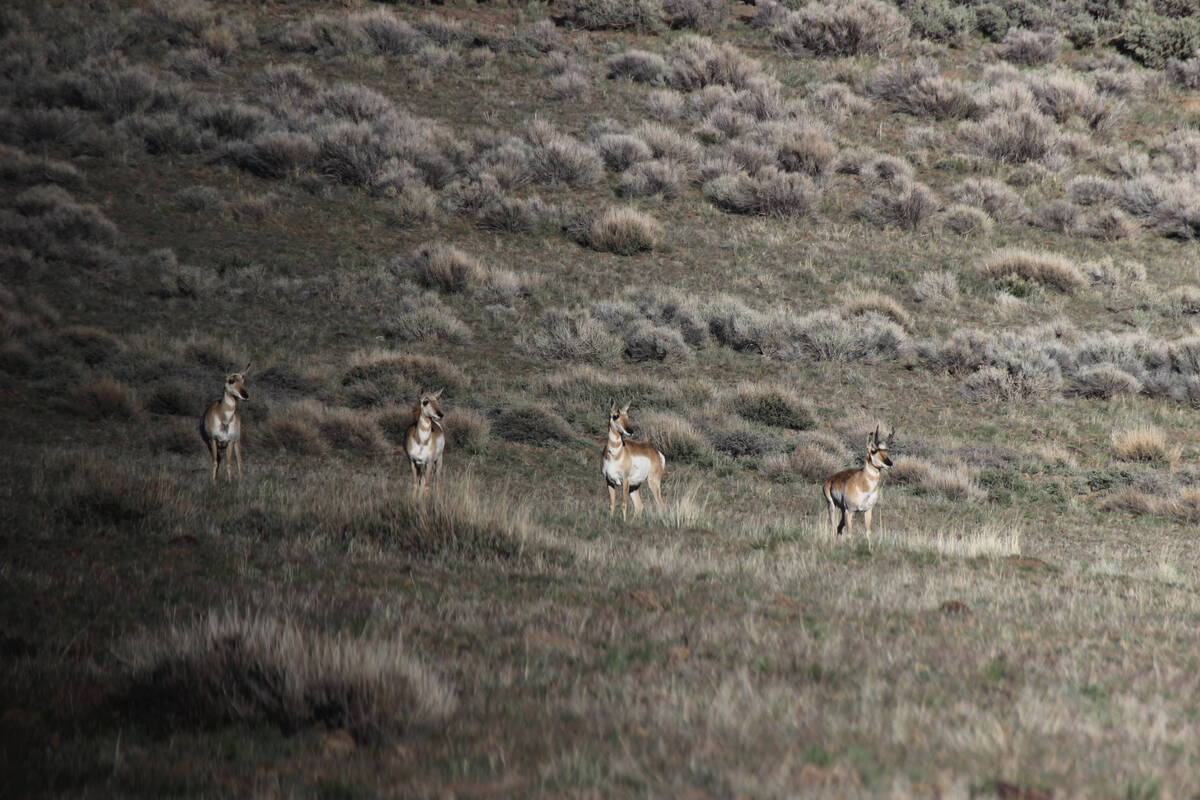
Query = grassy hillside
x=769 y=228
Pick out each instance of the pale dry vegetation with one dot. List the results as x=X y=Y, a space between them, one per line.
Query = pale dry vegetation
x=972 y=219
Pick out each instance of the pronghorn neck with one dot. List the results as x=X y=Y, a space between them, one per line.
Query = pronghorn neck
x=424 y=428
x=870 y=470
x=229 y=402
x=616 y=441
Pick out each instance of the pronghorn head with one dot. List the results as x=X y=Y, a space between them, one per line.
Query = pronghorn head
x=618 y=419
x=877 y=450
x=428 y=405
x=235 y=383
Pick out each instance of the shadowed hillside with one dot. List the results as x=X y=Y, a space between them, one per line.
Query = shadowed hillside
x=769 y=228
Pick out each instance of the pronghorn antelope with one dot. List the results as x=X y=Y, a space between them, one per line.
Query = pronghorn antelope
x=858 y=489
x=221 y=425
x=630 y=464
x=425 y=440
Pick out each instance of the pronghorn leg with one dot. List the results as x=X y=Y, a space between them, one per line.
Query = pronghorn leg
x=842 y=521
x=656 y=490
x=612 y=500
x=625 y=499
x=636 y=494
x=237 y=451
x=848 y=515
x=228 y=464
x=216 y=458
x=833 y=526
x=415 y=475
x=867 y=515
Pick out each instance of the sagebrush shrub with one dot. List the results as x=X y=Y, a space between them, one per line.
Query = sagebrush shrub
x=571 y=336
x=1029 y=48
x=842 y=28
x=933 y=287
x=639 y=15
x=966 y=221
x=1104 y=381
x=769 y=192
x=637 y=65
x=907 y=207
x=776 y=406
x=1016 y=137
x=445 y=267
x=1001 y=202
x=657 y=176
x=697 y=61
x=529 y=424
x=1061 y=216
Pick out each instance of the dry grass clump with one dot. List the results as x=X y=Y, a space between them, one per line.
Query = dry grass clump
x=675 y=437
x=530 y=424
x=656 y=176
x=276 y=154
x=916 y=88
x=347 y=429
x=1142 y=443
x=697 y=61
x=1063 y=96
x=624 y=231
x=966 y=221
x=813 y=463
x=1018 y=381
x=1001 y=202
x=858 y=303
x=103 y=398
x=424 y=317
x=1029 y=48
x=293 y=430
x=773 y=405
x=665 y=105
x=445 y=267
x=1135 y=501
x=637 y=65
x=558 y=159
x=381 y=366
x=570 y=336
x=1104 y=381
x=955 y=482
x=770 y=192
x=644 y=16
x=1060 y=216
x=251 y=668
x=665 y=143
x=907 y=207
x=1184 y=73
x=1108 y=225
x=467 y=429
x=936 y=287
x=621 y=151
x=1046 y=269
x=842 y=28
x=1010 y=137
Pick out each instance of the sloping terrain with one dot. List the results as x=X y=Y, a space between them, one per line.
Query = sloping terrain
x=769 y=228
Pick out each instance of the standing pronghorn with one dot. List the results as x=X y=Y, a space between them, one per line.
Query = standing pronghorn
x=221 y=425
x=858 y=489
x=425 y=440
x=629 y=464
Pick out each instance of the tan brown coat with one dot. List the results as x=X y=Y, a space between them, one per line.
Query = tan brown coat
x=629 y=465
x=221 y=425
x=425 y=441
x=858 y=489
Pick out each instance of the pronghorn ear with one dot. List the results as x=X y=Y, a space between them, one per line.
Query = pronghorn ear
x=438 y=393
x=625 y=409
x=246 y=368
x=890 y=436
